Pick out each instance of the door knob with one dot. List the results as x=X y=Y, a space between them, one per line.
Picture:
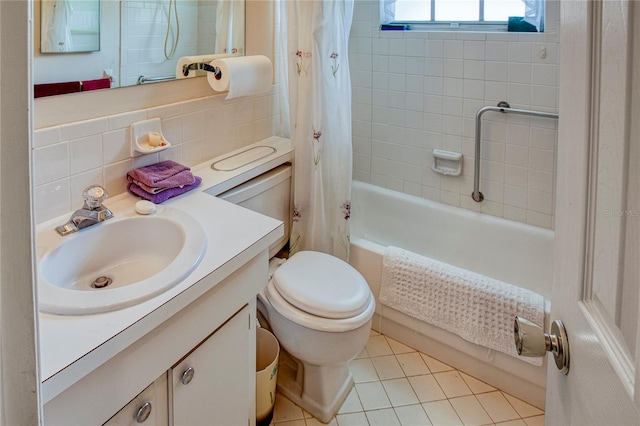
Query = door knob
x=532 y=341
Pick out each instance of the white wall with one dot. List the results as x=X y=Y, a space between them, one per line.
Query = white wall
x=71 y=156
x=19 y=384
x=415 y=91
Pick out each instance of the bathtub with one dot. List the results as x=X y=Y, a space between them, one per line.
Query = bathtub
x=508 y=251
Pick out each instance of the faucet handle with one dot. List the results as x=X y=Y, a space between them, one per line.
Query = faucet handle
x=94 y=195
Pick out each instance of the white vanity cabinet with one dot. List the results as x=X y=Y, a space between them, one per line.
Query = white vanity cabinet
x=210 y=385
x=214 y=335
x=148 y=408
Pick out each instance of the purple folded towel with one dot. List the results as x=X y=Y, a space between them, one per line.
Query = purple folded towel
x=181 y=179
x=163 y=196
x=166 y=174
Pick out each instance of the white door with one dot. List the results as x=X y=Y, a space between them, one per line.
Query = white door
x=596 y=282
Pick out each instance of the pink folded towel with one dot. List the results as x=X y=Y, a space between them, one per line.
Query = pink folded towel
x=166 y=174
x=163 y=196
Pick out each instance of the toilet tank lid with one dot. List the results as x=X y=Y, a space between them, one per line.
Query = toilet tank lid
x=322 y=285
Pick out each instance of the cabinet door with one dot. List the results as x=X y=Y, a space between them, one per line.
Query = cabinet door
x=148 y=408
x=211 y=385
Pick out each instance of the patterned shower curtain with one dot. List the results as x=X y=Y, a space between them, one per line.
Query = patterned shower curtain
x=314 y=37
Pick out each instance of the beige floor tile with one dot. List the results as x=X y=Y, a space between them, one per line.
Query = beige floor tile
x=470 y=411
x=397 y=347
x=400 y=392
x=517 y=422
x=352 y=419
x=315 y=422
x=396 y=385
x=351 y=404
x=387 y=367
x=299 y=422
x=285 y=410
x=372 y=396
x=378 y=346
x=534 y=421
x=412 y=415
x=434 y=365
x=441 y=413
x=523 y=409
x=412 y=364
x=363 y=354
x=476 y=386
x=363 y=370
x=452 y=384
x=385 y=417
x=426 y=388
x=497 y=406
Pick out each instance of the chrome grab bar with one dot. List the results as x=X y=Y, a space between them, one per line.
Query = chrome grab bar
x=142 y=79
x=504 y=108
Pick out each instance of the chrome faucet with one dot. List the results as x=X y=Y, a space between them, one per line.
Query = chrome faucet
x=92 y=211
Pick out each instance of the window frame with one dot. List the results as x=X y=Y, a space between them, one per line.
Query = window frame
x=432 y=24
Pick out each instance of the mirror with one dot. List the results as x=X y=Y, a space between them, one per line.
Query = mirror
x=134 y=41
x=70 y=26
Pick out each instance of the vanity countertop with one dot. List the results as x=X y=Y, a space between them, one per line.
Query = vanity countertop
x=71 y=346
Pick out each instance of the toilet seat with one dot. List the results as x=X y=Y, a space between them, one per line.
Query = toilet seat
x=313 y=322
x=322 y=285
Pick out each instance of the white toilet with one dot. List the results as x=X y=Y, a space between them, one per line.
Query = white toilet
x=318 y=306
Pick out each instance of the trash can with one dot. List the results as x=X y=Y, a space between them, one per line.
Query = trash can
x=267 y=354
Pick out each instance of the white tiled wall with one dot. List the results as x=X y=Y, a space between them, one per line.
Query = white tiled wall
x=69 y=157
x=415 y=91
x=143 y=36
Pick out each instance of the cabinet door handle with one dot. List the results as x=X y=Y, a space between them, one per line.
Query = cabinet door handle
x=143 y=412
x=187 y=376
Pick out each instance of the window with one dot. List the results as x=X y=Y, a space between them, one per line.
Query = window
x=453 y=13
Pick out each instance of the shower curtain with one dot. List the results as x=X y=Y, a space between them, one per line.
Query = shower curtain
x=56 y=18
x=229 y=28
x=314 y=38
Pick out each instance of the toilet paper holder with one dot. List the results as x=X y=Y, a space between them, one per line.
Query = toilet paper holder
x=532 y=341
x=201 y=66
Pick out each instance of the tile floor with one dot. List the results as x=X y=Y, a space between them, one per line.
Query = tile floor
x=397 y=385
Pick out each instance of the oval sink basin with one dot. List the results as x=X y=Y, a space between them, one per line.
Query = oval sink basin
x=118 y=263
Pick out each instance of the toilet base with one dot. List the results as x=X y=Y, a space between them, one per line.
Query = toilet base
x=326 y=390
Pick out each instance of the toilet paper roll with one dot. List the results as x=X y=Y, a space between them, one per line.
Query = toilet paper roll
x=242 y=76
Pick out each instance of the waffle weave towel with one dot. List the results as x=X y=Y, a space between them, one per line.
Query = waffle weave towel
x=475 y=307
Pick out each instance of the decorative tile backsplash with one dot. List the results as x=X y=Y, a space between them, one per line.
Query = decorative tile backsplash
x=69 y=157
x=415 y=91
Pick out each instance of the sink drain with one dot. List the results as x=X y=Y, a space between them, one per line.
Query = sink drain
x=101 y=282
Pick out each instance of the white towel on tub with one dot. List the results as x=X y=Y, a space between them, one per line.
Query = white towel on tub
x=475 y=307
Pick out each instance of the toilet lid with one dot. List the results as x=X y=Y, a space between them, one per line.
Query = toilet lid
x=322 y=285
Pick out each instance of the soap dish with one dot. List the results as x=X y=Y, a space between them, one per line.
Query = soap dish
x=147 y=137
x=447 y=163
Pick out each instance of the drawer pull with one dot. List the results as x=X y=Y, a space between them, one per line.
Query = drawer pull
x=187 y=376
x=143 y=412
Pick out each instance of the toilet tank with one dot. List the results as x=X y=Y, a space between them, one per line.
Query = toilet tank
x=269 y=194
